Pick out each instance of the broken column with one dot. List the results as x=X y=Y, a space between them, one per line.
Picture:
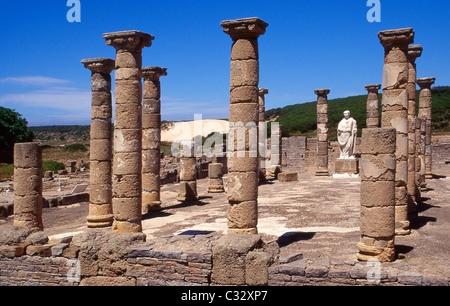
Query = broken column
x=276 y=143
x=322 y=132
x=28 y=185
x=262 y=134
x=377 y=195
x=188 y=172
x=373 y=114
x=127 y=177
x=100 y=198
x=395 y=112
x=151 y=138
x=425 y=101
x=215 y=174
x=414 y=51
x=242 y=150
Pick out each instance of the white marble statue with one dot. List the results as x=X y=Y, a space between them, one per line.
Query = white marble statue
x=346 y=133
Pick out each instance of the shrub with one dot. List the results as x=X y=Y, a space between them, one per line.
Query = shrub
x=52 y=165
x=76 y=147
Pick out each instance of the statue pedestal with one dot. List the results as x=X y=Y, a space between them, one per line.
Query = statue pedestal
x=346 y=167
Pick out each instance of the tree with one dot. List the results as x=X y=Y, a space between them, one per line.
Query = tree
x=13 y=129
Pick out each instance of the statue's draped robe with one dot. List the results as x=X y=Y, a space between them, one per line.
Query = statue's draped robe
x=347 y=137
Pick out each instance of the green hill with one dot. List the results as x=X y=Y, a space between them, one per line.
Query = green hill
x=300 y=119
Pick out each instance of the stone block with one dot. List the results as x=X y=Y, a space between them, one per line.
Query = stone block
x=346 y=166
x=287 y=177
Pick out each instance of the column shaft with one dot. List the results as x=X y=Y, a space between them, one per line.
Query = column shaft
x=395 y=112
x=28 y=186
x=151 y=139
x=373 y=114
x=322 y=132
x=127 y=176
x=100 y=166
x=377 y=195
x=425 y=102
x=243 y=134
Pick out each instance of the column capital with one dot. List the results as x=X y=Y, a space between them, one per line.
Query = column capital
x=244 y=28
x=373 y=87
x=414 y=51
x=99 y=64
x=322 y=92
x=425 y=82
x=263 y=91
x=133 y=41
x=390 y=38
x=153 y=73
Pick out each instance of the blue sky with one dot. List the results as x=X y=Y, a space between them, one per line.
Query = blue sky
x=307 y=45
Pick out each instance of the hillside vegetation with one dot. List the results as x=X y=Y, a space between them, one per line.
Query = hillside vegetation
x=300 y=119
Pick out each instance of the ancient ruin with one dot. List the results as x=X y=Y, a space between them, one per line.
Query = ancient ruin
x=243 y=160
x=127 y=175
x=100 y=208
x=322 y=132
x=373 y=113
x=395 y=112
x=151 y=138
x=188 y=172
x=425 y=102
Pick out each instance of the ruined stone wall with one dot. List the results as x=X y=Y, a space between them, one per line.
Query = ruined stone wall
x=181 y=260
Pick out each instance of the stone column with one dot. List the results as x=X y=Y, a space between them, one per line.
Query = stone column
x=215 y=174
x=418 y=166
x=127 y=177
x=414 y=51
x=425 y=101
x=422 y=149
x=188 y=172
x=242 y=191
x=262 y=134
x=373 y=114
x=151 y=139
x=395 y=112
x=322 y=132
x=276 y=145
x=28 y=186
x=100 y=198
x=377 y=195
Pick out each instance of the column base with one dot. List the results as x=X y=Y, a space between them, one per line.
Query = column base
x=99 y=221
x=322 y=173
x=122 y=227
x=242 y=231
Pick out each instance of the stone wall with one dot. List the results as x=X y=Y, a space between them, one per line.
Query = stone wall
x=103 y=258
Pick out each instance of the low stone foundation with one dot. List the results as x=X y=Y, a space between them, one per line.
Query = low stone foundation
x=102 y=258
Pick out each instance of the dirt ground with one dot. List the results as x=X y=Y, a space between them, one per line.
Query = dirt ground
x=317 y=216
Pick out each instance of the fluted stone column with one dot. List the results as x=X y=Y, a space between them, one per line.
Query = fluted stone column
x=188 y=172
x=322 y=132
x=414 y=51
x=215 y=178
x=262 y=136
x=377 y=195
x=395 y=112
x=425 y=101
x=242 y=185
x=151 y=139
x=28 y=186
x=418 y=166
x=127 y=177
x=100 y=166
x=373 y=113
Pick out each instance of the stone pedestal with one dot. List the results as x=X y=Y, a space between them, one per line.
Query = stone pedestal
x=425 y=102
x=188 y=173
x=395 y=112
x=346 y=166
x=151 y=139
x=377 y=195
x=322 y=132
x=373 y=113
x=215 y=174
x=127 y=165
x=243 y=177
x=100 y=166
x=28 y=186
